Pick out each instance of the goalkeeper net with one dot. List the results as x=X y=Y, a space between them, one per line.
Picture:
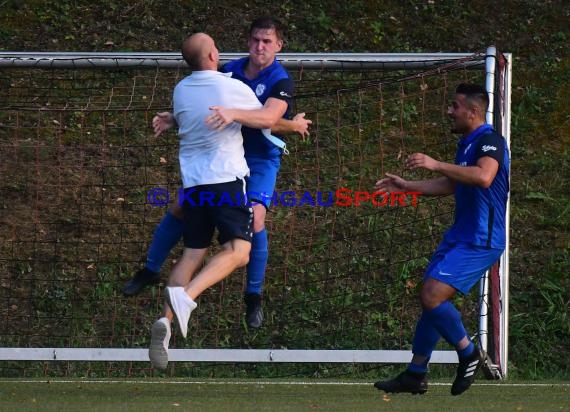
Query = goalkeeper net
x=80 y=168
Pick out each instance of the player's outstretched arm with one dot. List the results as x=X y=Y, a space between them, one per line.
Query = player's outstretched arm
x=298 y=124
x=481 y=174
x=162 y=122
x=264 y=118
x=433 y=187
x=391 y=183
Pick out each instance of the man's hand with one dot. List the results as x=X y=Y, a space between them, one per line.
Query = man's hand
x=391 y=183
x=220 y=118
x=162 y=122
x=301 y=125
x=420 y=160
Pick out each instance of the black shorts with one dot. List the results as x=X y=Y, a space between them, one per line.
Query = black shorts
x=220 y=206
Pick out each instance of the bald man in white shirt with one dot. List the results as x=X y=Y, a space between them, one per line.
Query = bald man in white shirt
x=213 y=170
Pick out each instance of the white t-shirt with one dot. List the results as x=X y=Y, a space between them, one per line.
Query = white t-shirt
x=208 y=156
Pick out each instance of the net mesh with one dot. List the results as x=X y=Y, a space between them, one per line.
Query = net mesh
x=79 y=160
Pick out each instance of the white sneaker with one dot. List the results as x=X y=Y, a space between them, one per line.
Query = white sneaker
x=159 y=340
x=182 y=305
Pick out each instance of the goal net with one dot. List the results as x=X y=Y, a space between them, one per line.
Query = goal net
x=80 y=170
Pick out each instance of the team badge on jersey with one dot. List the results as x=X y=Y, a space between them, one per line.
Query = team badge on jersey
x=260 y=89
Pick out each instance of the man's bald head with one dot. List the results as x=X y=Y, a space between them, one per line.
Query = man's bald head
x=200 y=52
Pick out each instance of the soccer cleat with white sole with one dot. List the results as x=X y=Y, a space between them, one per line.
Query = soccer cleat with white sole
x=182 y=305
x=159 y=340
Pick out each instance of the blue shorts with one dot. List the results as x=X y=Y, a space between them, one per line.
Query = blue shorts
x=262 y=178
x=461 y=265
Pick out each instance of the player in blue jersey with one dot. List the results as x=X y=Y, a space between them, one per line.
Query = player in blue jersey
x=479 y=180
x=274 y=88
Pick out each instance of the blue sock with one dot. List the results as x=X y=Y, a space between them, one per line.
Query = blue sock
x=420 y=369
x=467 y=351
x=423 y=344
x=257 y=262
x=447 y=321
x=167 y=234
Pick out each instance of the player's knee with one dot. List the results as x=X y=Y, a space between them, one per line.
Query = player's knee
x=240 y=252
x=259 y=213
x=258 y=227
x=241 y=257
x=428 y=300
x=429 y=296
x=244 y=260
x=434 y=293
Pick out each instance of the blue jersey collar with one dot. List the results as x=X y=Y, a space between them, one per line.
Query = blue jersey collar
x=246 y=61
x=481 y=130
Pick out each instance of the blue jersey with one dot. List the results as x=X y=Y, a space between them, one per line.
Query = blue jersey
x=273 y=81
x=480 y=213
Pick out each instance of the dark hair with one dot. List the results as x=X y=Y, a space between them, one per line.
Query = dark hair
x=268 y=22
x=475 y=94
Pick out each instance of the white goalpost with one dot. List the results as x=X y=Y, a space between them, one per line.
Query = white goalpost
x=321 y=256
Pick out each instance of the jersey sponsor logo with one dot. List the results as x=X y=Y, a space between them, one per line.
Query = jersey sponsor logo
x=488 y=147
x=463 y=164
x=260 y=89
x=284 y=94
